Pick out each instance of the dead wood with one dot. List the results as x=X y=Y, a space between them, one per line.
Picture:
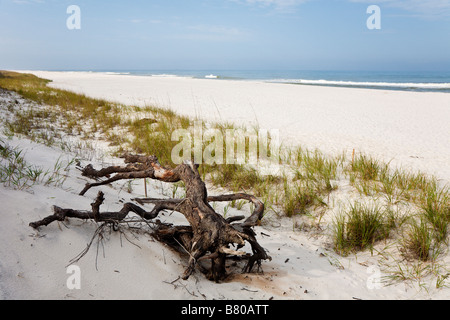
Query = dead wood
x=209 y=236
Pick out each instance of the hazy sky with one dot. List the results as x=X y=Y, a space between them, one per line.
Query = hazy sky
x=225 y=34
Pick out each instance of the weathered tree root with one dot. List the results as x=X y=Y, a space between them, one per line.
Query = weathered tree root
x=209 y=235
x=61 y=214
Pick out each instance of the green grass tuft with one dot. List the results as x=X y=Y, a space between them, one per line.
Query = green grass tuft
x=359 y=228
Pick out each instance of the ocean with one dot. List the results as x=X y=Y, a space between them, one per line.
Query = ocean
x=408 y=81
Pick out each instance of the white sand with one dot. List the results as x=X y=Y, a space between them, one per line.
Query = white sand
x=410 y=128
x=390 y=124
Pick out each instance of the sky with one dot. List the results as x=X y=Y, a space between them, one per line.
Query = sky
x=225 y=34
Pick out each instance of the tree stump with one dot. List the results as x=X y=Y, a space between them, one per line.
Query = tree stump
x=208 y=236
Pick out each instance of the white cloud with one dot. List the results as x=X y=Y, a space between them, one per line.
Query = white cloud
x=281 y=5
x=222 y=30
x=28 y=1
x=277 y=3
x=213 y=33
x=420 y=8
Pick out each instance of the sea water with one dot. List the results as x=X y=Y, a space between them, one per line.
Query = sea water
x=435 y=81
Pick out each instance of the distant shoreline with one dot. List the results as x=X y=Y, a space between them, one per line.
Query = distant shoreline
x=397 y=81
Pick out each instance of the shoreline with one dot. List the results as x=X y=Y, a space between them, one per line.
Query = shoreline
x=408 y=129
x=396 y=81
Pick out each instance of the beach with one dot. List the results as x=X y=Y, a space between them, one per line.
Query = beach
x=409 y=129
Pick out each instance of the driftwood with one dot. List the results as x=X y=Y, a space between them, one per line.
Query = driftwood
x=209 y=236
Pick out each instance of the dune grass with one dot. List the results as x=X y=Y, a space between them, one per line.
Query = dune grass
x=17 y=173
x=360 y=227
x=435 y=207
x=418 y=241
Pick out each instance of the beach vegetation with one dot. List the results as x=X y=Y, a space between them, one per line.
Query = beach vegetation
x=359 y=227
x=17 y=173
